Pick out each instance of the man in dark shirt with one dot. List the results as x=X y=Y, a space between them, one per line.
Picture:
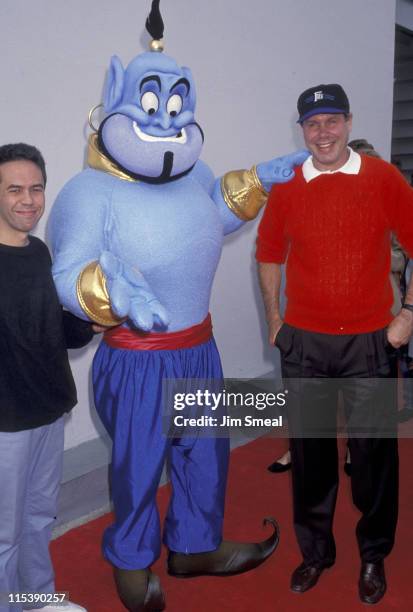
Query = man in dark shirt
x=36 y=387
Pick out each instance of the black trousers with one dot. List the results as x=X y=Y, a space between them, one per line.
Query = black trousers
x=316 y=368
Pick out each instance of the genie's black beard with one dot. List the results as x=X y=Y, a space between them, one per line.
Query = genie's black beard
x=165 y=176
x=168 y=162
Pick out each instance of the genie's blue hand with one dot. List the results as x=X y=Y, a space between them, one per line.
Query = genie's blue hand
x=280 y=169
x=130 y=295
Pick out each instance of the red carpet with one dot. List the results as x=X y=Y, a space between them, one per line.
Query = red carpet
x=252 y=494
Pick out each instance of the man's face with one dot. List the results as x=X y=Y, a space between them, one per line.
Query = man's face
x=326 y=137
x=21 y=200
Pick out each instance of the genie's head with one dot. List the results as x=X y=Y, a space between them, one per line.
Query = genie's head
x=150 y=130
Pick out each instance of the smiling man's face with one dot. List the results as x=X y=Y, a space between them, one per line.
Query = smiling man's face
x=326 y=136
x=21 y=200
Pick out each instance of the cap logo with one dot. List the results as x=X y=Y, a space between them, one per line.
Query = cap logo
x=318 y=95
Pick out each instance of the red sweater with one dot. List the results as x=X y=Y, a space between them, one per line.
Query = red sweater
x=334 y=233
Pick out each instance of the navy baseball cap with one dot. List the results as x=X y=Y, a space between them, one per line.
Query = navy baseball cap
x=322 y=99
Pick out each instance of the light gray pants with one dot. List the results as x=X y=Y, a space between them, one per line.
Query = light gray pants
x=30 y=475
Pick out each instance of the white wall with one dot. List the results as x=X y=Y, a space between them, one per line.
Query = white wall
x=251 y=60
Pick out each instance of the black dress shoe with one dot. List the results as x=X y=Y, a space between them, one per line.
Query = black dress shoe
x=372 y=583
x=304 y=577
x=278 y=468
x=139 y=590
x=228 y=559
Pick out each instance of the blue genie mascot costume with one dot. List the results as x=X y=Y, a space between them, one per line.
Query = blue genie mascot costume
x=136 y=239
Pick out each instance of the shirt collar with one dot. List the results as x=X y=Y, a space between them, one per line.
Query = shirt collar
x=352 y=166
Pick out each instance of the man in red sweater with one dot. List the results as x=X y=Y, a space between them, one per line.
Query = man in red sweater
x=331 y=226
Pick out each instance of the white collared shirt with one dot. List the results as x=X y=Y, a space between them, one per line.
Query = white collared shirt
x=352 y=166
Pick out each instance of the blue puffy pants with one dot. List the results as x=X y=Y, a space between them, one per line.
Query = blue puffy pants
x=128 y=398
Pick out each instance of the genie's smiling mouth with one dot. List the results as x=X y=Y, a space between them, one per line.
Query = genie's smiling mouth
x=179 y=138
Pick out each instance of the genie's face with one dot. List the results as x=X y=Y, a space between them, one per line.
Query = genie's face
x=151 y=131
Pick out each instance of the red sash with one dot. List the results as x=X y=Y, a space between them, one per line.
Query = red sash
x=124 y=338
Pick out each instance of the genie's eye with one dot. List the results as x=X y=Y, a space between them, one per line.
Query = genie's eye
x=174 y=105
x=150 y=102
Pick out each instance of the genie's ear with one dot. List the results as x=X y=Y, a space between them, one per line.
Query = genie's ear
x=112 y=94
